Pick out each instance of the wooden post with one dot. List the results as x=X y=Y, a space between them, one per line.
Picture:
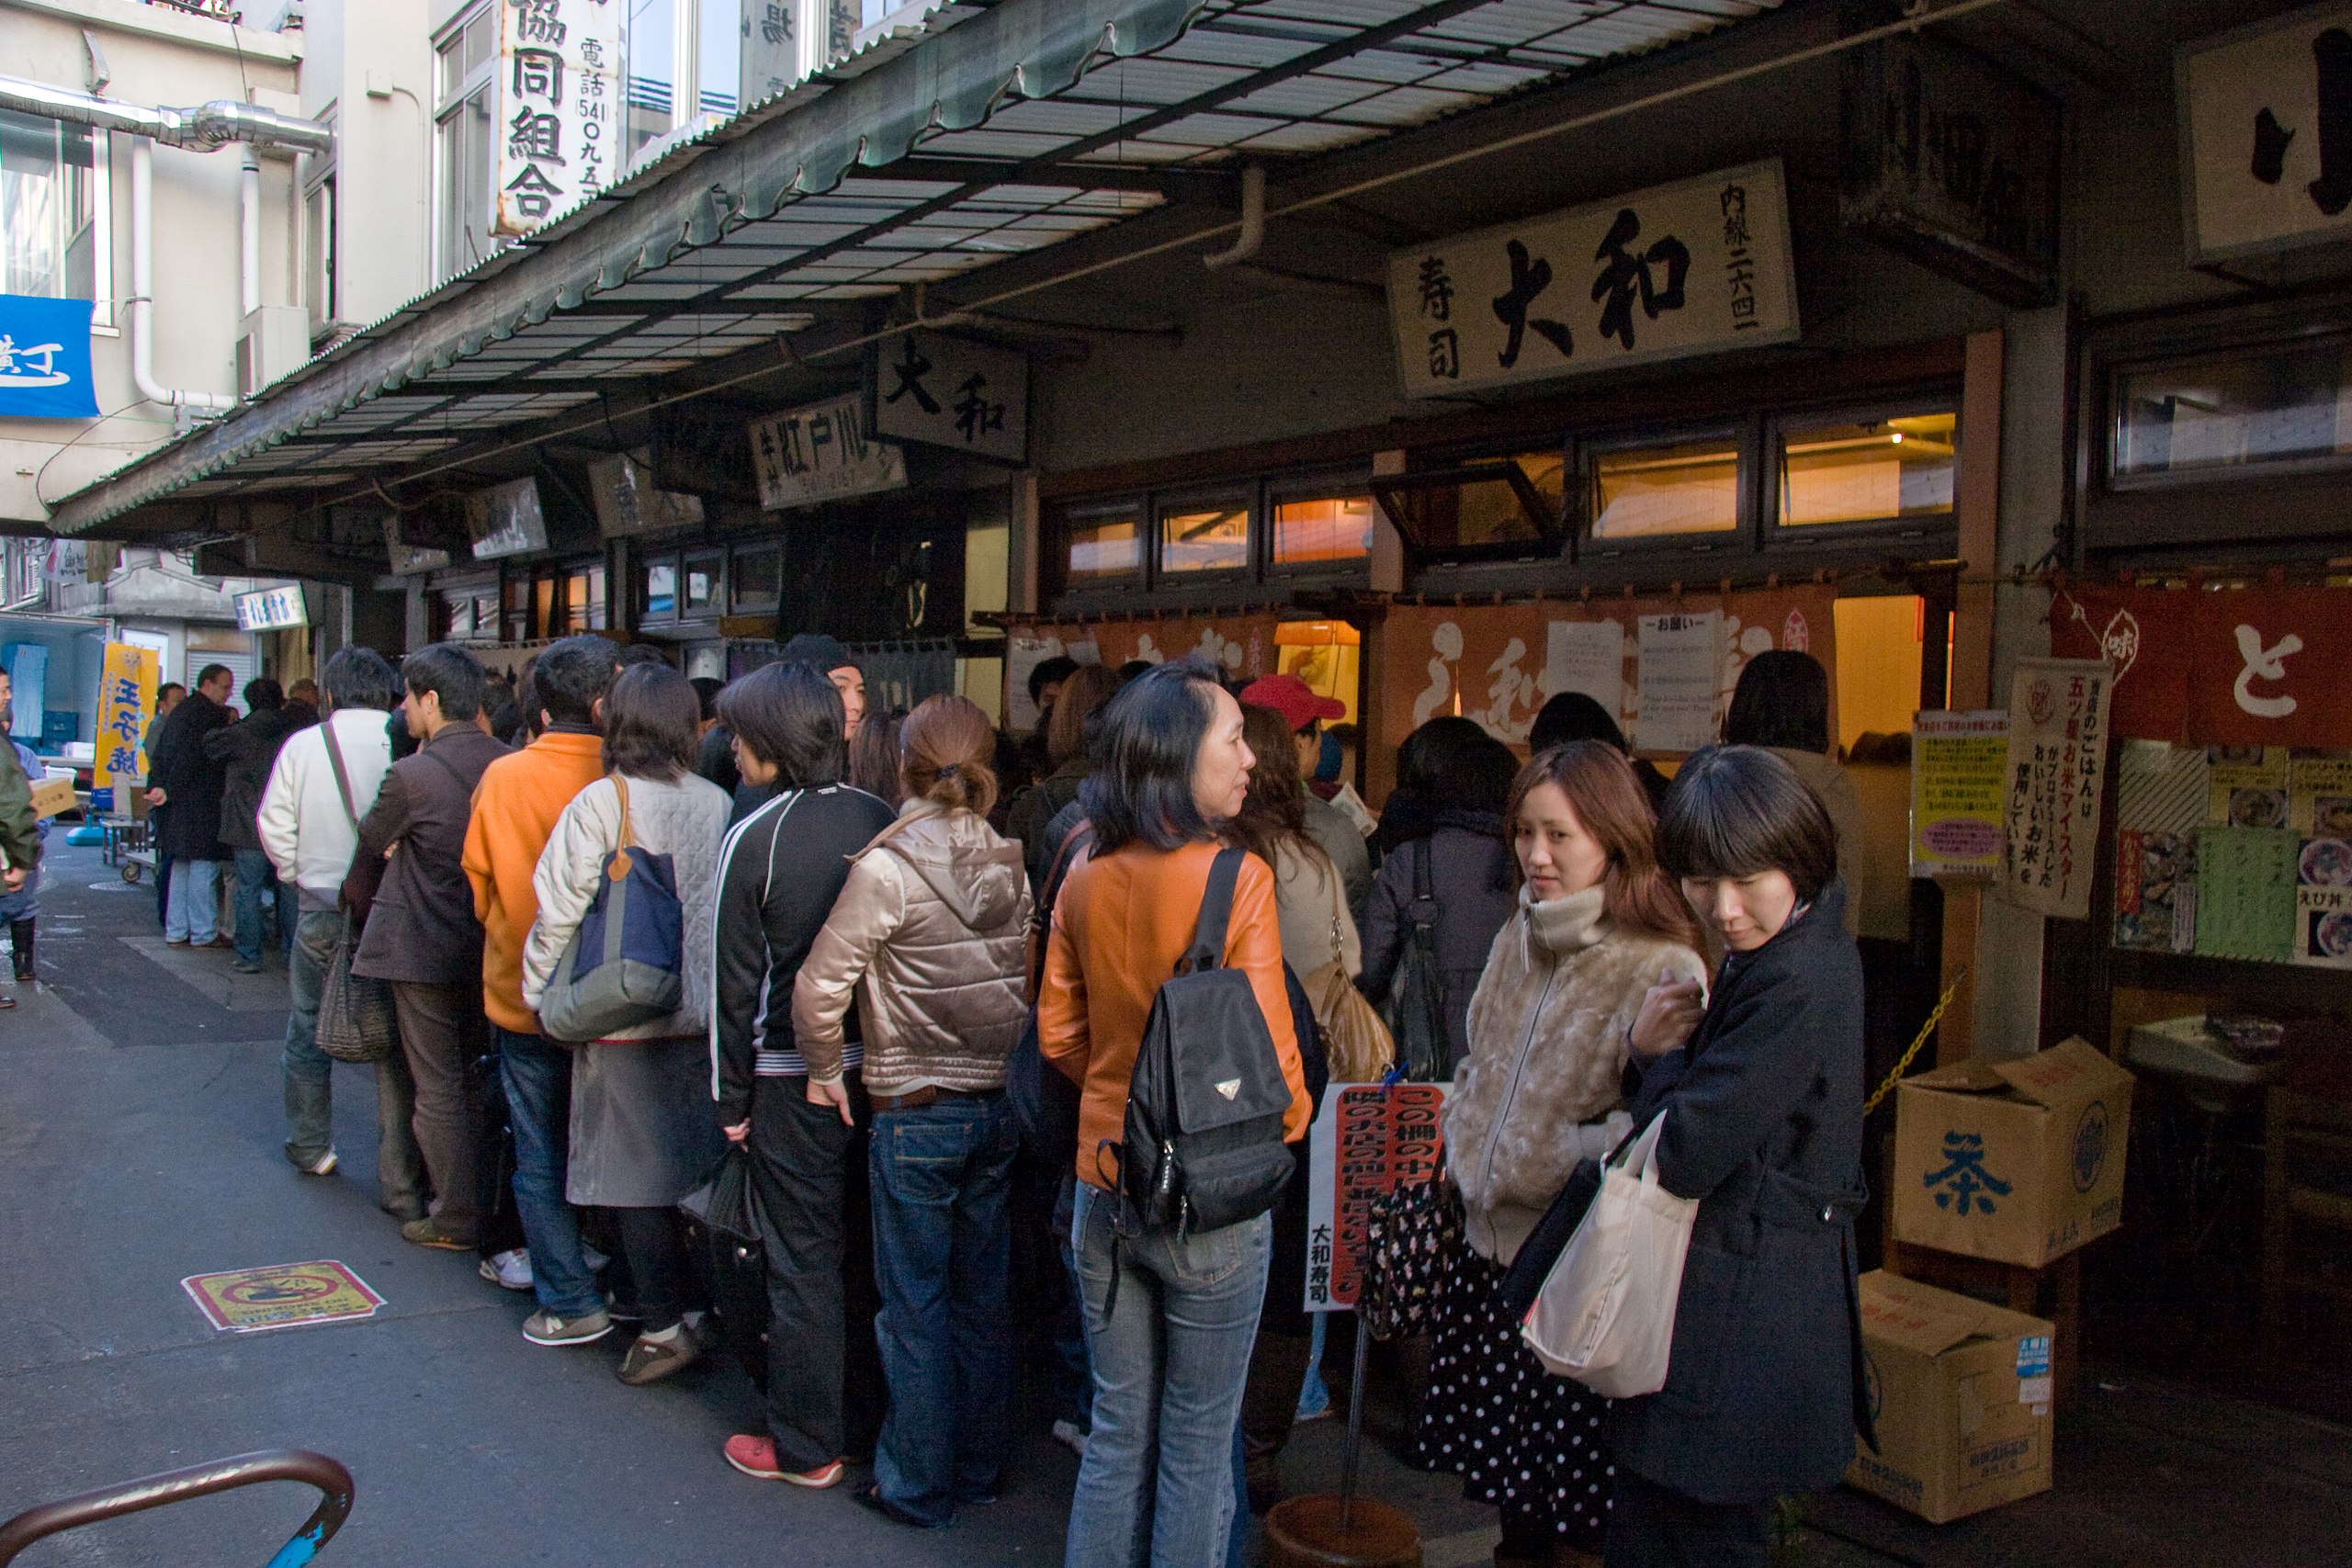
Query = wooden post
x=1978 y=505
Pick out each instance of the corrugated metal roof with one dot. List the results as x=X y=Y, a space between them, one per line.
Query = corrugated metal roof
x=731 y=236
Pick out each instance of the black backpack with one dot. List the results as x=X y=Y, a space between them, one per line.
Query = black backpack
x=1204 y=1138
x=1416 y=1009
x=1044 y=1101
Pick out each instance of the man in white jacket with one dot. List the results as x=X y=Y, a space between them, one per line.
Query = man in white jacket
x=309 y=826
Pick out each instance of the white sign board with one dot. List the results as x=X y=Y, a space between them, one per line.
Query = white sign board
x=822 y=452
x=2055 y=783
x=272 y=609
x=626 y=503
x=407 y=560
x=1693 y=267
x=558 y=128
x=2267 y=134
x=950 y=392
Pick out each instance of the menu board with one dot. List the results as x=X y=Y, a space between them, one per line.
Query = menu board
x=1959 y=761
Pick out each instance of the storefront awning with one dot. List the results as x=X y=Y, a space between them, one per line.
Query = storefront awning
x=920 y=159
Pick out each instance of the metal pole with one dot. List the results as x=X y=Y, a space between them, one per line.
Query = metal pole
x=1356 y=1432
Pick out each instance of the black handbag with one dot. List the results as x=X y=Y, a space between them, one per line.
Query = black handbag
x=725 y=1239
x=1044 y=1100
x=1415 y=1007
x=1411 y=1235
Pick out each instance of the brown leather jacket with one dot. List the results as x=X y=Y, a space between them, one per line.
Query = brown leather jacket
x=929 y=934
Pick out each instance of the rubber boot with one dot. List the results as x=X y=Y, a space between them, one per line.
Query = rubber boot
x=20 y=938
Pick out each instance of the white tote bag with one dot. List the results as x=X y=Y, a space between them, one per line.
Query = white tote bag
x=1605 y=1315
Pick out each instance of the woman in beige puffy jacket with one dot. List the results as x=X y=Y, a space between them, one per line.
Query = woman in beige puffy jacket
x=1597 y=924
x=928 y=937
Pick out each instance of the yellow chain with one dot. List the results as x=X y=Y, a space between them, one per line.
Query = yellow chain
x=1926 y=1029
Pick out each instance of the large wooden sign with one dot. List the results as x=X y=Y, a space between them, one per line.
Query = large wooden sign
x=2267 y=135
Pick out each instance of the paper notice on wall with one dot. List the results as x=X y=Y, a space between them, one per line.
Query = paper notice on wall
x=2056 y=780
x=1680 y=655
x=2246 y=786
x=1958 y=763
x=1587 y=657
x=2319 y=795
x=1024 y=651
x=2247 y=897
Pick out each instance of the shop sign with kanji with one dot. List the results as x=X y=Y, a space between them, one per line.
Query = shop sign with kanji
x=1370 y=1140
x=1693 y=267
x=2055 y=783
x=822 y=452
x=952 y=392
x=2266 y=138
x=558 y=130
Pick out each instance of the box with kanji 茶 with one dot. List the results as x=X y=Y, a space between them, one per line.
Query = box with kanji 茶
x=2019 y=1161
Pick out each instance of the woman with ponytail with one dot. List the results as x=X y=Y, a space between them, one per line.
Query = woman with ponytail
x=928 y=936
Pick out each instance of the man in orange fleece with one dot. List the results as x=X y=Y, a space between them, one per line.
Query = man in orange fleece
x=515 y=807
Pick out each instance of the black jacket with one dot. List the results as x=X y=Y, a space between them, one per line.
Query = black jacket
x=1763 y=1111
x=779 y=872
x=192 y=782
x=420 y=921
x=246 y=750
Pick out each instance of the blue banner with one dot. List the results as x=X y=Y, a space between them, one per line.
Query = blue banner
x=45 y=358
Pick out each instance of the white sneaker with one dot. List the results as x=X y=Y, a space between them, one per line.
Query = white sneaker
x=323 y=1165
x=510 y=1270
x=1071 y=1436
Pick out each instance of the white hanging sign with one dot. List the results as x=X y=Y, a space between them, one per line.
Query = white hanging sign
x=822 y=452
x=1693 y=267
x=2267 y=134
x=948 y=391
x=559 y=106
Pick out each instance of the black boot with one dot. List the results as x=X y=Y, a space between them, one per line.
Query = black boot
x=20 y=937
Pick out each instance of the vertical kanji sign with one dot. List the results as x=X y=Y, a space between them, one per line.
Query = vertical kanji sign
x=1693 y=267
x=2057 y=776
x=956 y=393
x=127 y=678
x=1369 y=1140
x=2268 y=143
x=558 y=131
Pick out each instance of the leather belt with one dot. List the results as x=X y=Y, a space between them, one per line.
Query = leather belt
x=916 y=1099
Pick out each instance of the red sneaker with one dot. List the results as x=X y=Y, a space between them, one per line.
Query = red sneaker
x=755 y=1457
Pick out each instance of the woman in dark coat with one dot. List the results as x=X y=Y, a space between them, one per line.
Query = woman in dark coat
x=1444 y=819
x=1762 y=1088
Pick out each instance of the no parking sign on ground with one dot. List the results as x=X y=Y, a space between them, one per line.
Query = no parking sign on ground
x=283 y=1296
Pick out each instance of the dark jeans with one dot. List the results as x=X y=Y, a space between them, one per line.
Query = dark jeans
x=256 y=883
x=809 y=1174
x=657 y=1264
x=1656 y=1526
x=307 y=1078
x=942 y=1256
x=537 y=1076
x=442 y=1035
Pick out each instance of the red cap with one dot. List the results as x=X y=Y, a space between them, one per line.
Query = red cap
x=1294 y=699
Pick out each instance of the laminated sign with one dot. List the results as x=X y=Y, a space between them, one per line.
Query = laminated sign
x=1693 y=267
x=1958 y=764
x=2057 y=775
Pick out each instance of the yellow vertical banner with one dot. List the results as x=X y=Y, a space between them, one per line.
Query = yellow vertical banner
x=126 y=700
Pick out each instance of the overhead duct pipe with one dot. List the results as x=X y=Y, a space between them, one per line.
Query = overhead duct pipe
x=1253 y=221
x=142 y=292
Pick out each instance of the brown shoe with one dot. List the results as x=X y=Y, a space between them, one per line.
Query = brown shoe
x=428 y=1232
x=650 y=1360
x=220 y=941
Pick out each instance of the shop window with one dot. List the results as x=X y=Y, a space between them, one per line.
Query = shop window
x=759 y=579
x=703 y=585
x=1868 y=471
x=1103 y=548
x=465 y=157
x=659 y=579
x=2270 y=407
x=517 y=627
x=53 y=212
x=1204 y=537
x=1322 y=531
x=1648 y=492
x=584 y=600
x=1506 y=507
x=469 y=614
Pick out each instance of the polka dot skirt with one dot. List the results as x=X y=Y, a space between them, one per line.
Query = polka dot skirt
x=1527 y=1441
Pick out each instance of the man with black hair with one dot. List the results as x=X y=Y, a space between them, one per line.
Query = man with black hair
x=248 y=749
x=422 y=934
x=514 y=810
x=182 y=776
x=325 y=780
x=827 y=656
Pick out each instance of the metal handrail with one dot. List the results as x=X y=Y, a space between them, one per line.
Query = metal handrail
x=199 y=1481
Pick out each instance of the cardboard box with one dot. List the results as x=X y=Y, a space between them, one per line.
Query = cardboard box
x=52 y=795
x=1960 y=1393
x=2019 y=1161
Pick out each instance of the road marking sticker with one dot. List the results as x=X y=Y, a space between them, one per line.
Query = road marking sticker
x=284 y=1295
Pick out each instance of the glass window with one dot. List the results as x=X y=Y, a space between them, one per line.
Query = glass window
x=584 y=600
x=759 y=578
x=1310 y=531
x=718 y=66
x=706 y=585
x=459 y=614
x=2235 y=410
x=661 y=589
x=1207 y=538
x=1865 y=471
x=650 y=49
x=1493 y=507
x=465 y=154
x=1649 y=492
x=1103 y=548
x=49 y=214
x=318 y=253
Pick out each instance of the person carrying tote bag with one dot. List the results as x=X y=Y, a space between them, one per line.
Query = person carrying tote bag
x=1754 y=1098
x=1605 y=1316
x=625 y=963
x=1596 y=923
x=641 y=1132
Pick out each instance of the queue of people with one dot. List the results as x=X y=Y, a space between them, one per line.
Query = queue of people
x=888 y=925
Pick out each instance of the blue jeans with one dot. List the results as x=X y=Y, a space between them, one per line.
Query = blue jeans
x=1169 y=1368
x=193 y=915
x=257 y=881
x=538 y=1076
x=943 y=1263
